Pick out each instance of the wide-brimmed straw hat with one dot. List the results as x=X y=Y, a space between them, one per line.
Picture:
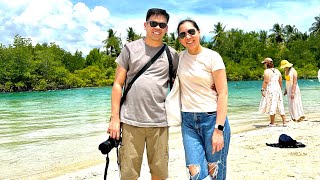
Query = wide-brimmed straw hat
x=267 y=60
x=285 y=63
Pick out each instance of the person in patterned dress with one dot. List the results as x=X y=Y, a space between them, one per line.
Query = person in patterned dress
x=272 y=100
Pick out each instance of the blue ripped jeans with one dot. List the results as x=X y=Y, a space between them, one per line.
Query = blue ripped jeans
x=197 y=130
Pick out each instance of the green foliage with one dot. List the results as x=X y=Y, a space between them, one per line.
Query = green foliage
x=42 y=67
x=74 y=81
x=8 y=87
x=41 y=86
x=315 y=28
x=307 y=71
x=110 y=73
x=108 y=62
x=92 y=76
x=2 y=88
x=112 y=44
x=20 y=86
x=132 y=35
x=93 y=58
x=73 y=62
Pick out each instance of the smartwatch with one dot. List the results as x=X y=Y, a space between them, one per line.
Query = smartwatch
x=220 y=127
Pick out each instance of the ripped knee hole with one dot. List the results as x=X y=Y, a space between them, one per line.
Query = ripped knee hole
x=194 y=169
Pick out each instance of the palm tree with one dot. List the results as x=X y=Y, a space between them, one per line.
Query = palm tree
x=291 y=33
x=315 y=29
x=205 y=43
x=113 y=43
x=277 y=34
x=172 y=39
x=132 y=35
x=302 y=36
x=165 y=38
x=263 y=36
x=218 y=31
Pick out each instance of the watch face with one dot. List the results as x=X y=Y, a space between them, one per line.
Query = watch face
x=220 y=127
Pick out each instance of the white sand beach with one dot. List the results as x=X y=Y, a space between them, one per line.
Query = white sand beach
x=249 y=157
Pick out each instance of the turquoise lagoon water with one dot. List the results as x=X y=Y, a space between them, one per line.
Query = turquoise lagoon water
x=42 y=132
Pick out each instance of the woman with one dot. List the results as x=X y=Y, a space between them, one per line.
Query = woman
x=293 y=91
x=272 y=100
x=205 y=127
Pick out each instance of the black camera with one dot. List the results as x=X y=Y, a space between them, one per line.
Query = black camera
x=109 y=144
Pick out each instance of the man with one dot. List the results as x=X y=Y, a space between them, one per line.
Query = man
x=142 y=115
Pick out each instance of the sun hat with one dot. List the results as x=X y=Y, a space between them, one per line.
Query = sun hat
x=267 y=60
x=285 y=63
x=285 y=141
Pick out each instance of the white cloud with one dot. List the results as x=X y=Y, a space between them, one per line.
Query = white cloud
x=100 y=14
x=72 y=27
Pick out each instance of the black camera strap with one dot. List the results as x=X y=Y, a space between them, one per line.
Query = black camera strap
x=170 y=67
x=142 y=70
x=125 y=92
x=106 y=168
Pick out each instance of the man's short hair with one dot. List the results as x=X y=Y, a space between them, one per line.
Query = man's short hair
x=157 y=11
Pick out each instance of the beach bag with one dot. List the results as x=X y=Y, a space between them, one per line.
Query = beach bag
x=173 y=104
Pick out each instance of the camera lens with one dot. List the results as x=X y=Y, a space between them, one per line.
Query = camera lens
x=108 y=145
x=105 y=147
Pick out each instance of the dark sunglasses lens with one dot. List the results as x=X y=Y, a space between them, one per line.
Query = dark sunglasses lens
x=162 y=25
x=153 y=23
x=182 y=35
x=192 y=31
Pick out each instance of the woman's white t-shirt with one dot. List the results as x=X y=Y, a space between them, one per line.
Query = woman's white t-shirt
x=196 y=80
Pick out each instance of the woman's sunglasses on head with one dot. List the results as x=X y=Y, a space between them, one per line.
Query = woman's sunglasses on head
x=184 y=34
x=155 y=24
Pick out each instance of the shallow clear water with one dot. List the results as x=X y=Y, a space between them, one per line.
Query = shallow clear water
x=245 y=96
x=44 y=130
x=56 y=130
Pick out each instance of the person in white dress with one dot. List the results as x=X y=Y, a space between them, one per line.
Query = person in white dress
x=293 y=91
x=272 y=100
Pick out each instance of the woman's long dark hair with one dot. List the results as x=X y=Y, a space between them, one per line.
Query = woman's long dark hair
x=188 y=20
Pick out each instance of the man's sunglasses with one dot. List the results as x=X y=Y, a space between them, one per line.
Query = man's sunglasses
x=184 y=34
x=155 y=24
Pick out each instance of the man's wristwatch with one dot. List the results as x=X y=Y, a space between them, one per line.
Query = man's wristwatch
x=220 y=127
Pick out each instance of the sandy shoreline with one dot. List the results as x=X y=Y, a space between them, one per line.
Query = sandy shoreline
x=249 y=157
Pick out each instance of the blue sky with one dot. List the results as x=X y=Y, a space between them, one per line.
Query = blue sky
x=83 y=24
